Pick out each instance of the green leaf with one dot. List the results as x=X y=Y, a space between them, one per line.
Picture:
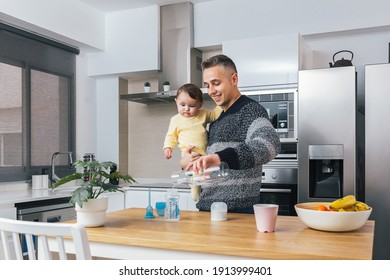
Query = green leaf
x=79 y=195
x=99 y=180
x=64 y=180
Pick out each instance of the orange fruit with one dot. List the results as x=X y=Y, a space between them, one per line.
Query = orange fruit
x=321 y=208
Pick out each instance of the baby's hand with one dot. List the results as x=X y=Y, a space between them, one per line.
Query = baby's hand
x=168 y=153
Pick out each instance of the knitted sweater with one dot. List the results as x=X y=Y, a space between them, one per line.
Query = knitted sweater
x=244 y=138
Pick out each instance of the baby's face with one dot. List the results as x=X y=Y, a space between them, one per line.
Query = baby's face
x=186 y=106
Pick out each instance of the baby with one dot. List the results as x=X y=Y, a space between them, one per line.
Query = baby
x=188 y=127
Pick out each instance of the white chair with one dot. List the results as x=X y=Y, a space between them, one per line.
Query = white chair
x=36 y=236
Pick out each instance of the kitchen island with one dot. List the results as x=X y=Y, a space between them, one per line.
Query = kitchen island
x=128 y=235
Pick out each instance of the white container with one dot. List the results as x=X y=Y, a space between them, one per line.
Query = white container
x=218 y=211
x=172 y=210
x=40 y=182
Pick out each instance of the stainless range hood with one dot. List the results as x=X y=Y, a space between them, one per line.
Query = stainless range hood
x=180 y=62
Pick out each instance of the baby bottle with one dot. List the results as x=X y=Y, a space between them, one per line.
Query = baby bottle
x=172 y=210
x=210 y=175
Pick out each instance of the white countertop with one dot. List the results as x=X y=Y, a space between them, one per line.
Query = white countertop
x=17 y=192
x=27 y=194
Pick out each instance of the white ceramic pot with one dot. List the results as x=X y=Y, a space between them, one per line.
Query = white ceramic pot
x=93 y=212
x=167 y=87
x=147 y=89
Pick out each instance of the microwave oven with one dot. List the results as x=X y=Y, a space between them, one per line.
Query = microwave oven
x=282 y=108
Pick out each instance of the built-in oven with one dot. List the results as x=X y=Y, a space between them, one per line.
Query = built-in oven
x=280 y=185
x=280 y=176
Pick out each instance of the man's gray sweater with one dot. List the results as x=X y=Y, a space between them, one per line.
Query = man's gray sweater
x=245 y=139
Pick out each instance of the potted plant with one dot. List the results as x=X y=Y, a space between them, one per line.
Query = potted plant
x=147 y=87
x=90 y=206
x=166 y=86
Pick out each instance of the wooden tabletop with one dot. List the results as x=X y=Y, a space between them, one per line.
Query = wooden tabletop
x=235 y=237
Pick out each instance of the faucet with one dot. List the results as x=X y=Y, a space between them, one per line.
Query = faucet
x=54 y=176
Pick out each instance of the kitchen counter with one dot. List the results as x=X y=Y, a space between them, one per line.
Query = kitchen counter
x=26 y=195
x=18 y=192
x=128 y=235
x=11 y=194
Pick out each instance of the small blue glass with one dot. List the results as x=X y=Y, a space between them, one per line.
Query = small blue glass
x=160 y=208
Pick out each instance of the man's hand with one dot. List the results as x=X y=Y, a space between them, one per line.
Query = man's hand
x=188 y=156
x=204 y=162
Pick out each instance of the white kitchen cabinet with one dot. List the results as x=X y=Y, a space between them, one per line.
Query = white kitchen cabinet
x=6 y=211
x=269 y=61
x=138 y=198
x=116 y=201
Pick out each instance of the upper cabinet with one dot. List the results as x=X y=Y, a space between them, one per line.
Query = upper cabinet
x=269 y=61
x=132 y=44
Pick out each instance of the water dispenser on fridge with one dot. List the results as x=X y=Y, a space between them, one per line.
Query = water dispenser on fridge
x=326 y=171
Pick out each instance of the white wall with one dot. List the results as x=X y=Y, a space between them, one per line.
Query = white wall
x=107 y=117
x=86 y=109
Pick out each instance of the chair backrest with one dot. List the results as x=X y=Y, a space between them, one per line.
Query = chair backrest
x=21 y=238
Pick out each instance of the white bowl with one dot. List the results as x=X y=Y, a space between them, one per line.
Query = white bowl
x=330 y=220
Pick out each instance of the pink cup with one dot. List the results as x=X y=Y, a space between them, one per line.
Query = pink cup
x=265 y=215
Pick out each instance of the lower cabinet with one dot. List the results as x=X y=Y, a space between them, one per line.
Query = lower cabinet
x=9 y=212
x=116 y=201
x=138 y=198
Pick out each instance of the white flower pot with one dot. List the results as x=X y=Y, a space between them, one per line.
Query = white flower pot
x=167 y=87
x=93 y=212
x=147 y=89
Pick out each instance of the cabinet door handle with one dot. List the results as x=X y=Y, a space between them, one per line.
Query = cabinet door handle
x=276 y=190
x=54 y=219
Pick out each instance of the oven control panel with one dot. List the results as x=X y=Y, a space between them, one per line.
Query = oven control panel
x=280 y=176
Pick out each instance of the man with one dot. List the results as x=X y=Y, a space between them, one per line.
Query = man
x=242 y=137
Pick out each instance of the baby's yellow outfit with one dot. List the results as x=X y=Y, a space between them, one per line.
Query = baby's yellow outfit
x=187 y=132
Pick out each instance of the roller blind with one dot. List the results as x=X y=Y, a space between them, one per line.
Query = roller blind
x=37 y=87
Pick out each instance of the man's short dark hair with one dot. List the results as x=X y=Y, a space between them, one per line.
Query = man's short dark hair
x=219 y=59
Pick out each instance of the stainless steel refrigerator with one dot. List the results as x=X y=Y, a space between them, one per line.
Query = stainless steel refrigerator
x=377 y=182
x=330 y=135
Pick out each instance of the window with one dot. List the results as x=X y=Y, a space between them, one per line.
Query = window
x=37 y=81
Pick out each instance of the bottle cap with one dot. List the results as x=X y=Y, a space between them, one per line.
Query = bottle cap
x=218 y=211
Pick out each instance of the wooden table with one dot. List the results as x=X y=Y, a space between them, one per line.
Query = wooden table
x=127 y=235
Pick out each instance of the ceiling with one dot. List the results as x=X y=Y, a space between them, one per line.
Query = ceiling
x=118 y=5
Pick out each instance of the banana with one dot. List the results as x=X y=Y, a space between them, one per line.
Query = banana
x=348 y=209
x=348 y=204
x=361 y=206
x=345 y=202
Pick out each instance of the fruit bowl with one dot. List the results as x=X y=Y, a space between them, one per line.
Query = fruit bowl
x=330 y=220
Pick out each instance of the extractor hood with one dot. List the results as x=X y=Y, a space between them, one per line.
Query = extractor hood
x=180 y=61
